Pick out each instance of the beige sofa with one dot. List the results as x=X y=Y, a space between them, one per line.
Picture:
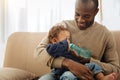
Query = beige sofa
x=19 y=62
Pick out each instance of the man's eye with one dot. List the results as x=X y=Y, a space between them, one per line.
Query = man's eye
x=76 y=14
x=86 y=16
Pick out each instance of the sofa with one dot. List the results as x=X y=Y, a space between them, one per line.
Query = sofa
x=19 y=61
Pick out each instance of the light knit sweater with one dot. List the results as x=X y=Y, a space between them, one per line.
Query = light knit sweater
x=96 y=38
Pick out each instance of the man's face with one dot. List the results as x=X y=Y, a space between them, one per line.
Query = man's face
x=84 y=15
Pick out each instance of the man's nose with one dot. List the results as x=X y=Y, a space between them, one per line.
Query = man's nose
x=81 y=19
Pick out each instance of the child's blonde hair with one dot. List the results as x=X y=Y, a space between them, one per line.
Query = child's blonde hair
x=54 y=31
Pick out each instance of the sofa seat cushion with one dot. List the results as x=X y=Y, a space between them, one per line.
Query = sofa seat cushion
x=15 y=74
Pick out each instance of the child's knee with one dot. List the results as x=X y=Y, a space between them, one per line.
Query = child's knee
x=68 y=76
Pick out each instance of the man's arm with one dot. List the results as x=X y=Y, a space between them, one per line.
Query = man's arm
x=78 y=69
x=42 y=55
x=110 y=61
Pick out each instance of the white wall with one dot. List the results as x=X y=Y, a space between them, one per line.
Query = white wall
x=2 y=51
x=1 y=32
x=111 y=14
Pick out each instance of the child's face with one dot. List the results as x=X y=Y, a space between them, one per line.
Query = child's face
x=62 y=36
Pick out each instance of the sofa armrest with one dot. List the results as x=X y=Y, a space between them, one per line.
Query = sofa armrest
x=15 y=74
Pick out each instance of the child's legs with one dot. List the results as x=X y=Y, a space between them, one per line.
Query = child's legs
x=95 y=68
x=49 y=76
x=68 y=76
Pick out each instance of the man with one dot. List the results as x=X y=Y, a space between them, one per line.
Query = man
x=90 y=35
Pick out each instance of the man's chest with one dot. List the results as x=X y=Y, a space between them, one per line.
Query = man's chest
x=94 y=43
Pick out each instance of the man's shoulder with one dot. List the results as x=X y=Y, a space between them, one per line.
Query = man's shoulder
x=102 y=28
x=66 y=23
x=99 y=25
x=69 y=22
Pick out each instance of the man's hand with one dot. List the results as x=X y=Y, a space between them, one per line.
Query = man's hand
x=81 y=59
x=78 y=69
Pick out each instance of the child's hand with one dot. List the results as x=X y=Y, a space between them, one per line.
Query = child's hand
x=68 y=41
x=68 y=44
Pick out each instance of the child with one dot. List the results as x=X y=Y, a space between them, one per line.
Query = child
x=59 y=39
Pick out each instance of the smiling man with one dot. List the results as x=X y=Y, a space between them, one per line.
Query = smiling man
x=85 y=11
x=90 y=35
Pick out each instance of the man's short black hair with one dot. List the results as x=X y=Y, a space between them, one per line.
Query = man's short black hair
x=95 y=2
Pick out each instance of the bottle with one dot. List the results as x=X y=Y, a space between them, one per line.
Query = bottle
x=81 y=51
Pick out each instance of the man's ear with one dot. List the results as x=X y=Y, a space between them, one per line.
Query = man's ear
x=96 y=11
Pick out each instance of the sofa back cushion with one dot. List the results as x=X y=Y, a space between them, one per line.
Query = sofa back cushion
x=20 y=52
x=116 y=35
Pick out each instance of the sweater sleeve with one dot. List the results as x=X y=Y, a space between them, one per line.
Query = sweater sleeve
x=110 y=61
x=41 y=55
x=57 y=49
